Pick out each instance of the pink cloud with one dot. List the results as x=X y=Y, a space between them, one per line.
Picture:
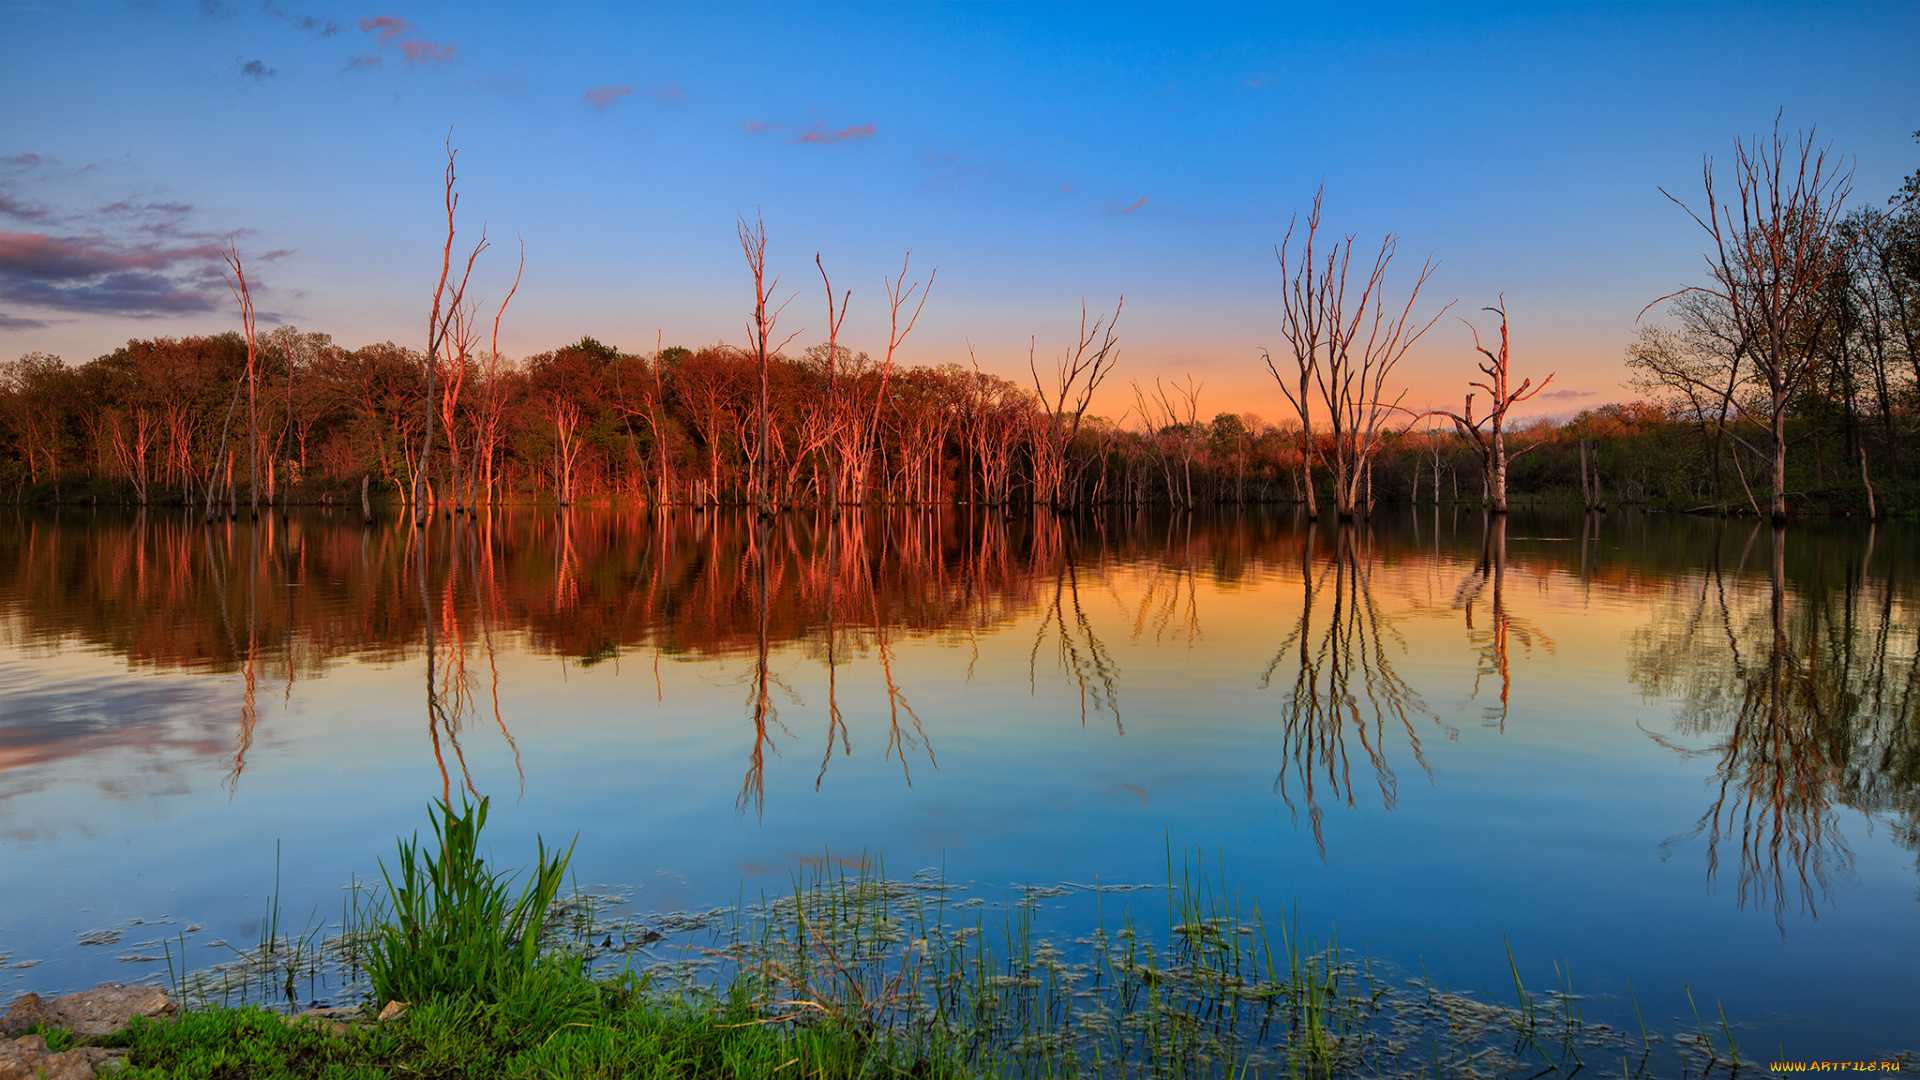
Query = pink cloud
x=664 y=94
x=1567 y=394
x=1123 y=211
x=15 y=322
x=387 y=26
x=756 y=126
x=602 y=96
x=421 y=51
x=819 y=134
x=398 y=32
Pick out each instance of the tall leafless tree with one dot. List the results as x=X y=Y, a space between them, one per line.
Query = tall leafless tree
x=1487 y=435
x=1077 y=374
x=446 y=302
x=1769 y=262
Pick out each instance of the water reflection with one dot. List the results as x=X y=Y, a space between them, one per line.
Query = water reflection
x=1341 y=654
x=1789 y=656
x=1801 y=693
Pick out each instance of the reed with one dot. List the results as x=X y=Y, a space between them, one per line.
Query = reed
x=451 y=926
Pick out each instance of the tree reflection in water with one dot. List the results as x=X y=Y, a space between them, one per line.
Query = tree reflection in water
x=1489 y=582
x=1804 y=694
x=1077 y=647
x=1797 y=681
x=1340 y=652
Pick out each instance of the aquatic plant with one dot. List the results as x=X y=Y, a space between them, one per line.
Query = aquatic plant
x=449 y=925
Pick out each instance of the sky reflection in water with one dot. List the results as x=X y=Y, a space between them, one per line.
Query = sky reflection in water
x=1655 y=749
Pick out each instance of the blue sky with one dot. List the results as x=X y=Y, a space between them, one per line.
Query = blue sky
x=1035 y=154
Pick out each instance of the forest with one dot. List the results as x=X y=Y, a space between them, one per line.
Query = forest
x=1786 y=382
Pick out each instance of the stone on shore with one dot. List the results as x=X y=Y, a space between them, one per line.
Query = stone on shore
x=26 y=1058
x=108 y=1007
x=105 y=1009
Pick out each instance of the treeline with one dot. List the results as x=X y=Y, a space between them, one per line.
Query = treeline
x=147 y=424
x=1790 y=380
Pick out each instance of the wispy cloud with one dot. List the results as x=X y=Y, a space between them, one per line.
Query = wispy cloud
x=421 y=51
x=309 y=24
x=1123 y=211
x=15 y=322
x=392 y=31
x=24 y=161
x=387 y=27
x=255 y=69
x=1568 y=394
x=602 y=96
x=755 y=126
x=14 y=206
x=176 y=209
x=667 y=93
x=98 y=275
x=821 y=135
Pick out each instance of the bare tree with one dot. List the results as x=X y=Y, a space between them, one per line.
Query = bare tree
x=243 y=295
x=1344 y=356
x=1770 y=261
x=486 y=436
x=753 y=244
x=1077 y=375
x=834 y=419
x=1487 y=435
x=439 y=328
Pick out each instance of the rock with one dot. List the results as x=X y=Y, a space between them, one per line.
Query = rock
x=27 y=1059
x=108 y=1007
x=26 y=1012
x=394 y=1011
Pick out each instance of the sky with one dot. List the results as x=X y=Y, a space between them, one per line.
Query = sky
x=1037 y=156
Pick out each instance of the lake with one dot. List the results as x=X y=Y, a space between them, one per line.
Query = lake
x=1651 y=755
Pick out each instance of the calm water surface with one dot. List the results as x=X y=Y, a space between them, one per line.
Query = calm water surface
x=1651 y=750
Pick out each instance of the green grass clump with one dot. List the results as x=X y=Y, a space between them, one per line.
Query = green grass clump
x=550 y=1024
x=451 y=926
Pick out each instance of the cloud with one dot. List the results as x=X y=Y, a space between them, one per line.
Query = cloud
x=387 y=26
x=1568 y=394
x=421 y=51
x=254 y=69
x=755 y=126
x=23 y=162
x=17 y=207
x=1123 y=211
x=392 y=30
x=819 y=134
x=667 y=93
x=311 y=24
x=174 y=209
x=96 y=275
x=15 y=322
x=602 y=96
